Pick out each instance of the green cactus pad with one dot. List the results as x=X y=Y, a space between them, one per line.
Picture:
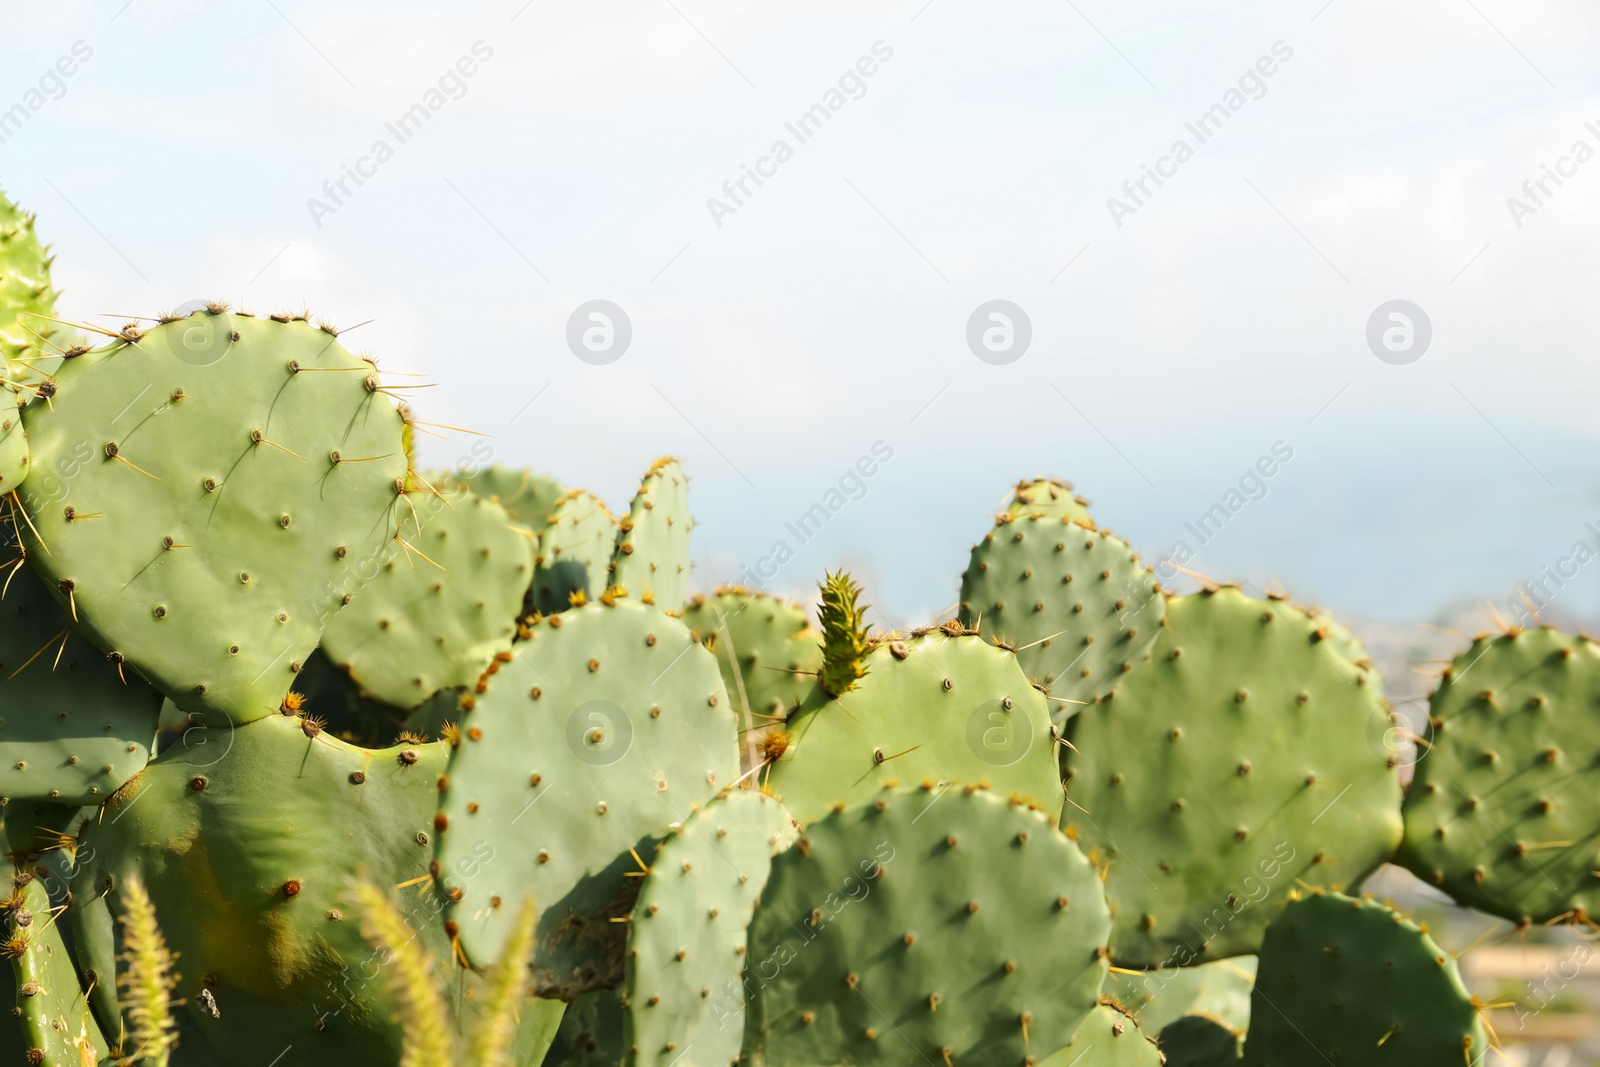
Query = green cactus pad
x=1351 y=981
x=591 y=1032
x=1200 y=1041
x=72 y=728
x=603 y=731
x=442 y=605
x=944 y=705
x=528 y=498
x=575 y=546
x=56 y=1022
x=27 y=299
x=1203 y=780
x=768 y=652
x=652 y=555
x=1504 y=811
x=15 y=459
x=686 y=940
x=226 y=507
x=248 y=841
x=1159 y=997
x=1108 y=1038
x=1049 y=497
x=924 y=924
x=1076 y=602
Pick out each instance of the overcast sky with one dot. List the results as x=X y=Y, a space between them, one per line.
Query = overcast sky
x=959 y=153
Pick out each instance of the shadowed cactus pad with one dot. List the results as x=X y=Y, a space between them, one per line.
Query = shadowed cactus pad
x=686 y=938
x=72 y=727
x=652 y=555
x=1504 y=811
x=924 y=924
x=768 y=651
x=1108 y=1038
x=603 y=731
x=1200 y=1041
x=242 y=471
x=1237 y=761
x=441 y=605
x=944 y=705
x=1076 y=602
x=248 y=844
x=575 y=546
x=1352 y=981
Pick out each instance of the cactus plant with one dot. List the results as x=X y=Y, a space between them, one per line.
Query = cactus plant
x=575 y=547
x=1350 y=980
x=1200 y=1041
x=943 y=704
x=1161 y=996
x=442 y=605
x=1109 y=1037
x=1205 y=778
x=600 y=733
x=27 y=297
x=1049 y=496
x=924 y=923
x=15 y=457
x=652 y=553
x=243 y=472
x=54 y=1015
x=528 y=498
x=1503 y=810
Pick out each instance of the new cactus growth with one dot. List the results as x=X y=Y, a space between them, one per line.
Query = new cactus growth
x=924 y=923
x=1503 y=813
x=232 y=478
x=1352 y=981
x=652 y=554
x=1205 y=779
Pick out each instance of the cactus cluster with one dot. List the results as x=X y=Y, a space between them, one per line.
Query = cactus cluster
x=302 y=748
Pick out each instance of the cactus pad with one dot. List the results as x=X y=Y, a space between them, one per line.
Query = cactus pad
x=1200 y=1041
x=528 y=498
x=652 y=556
x=442 y=604
x=575 y=546
x=1204 y=780
x=1352 y=981
x=604 y=730
x=1109 y=1037
x=944 y=705
x=1049 y=497
x=15 y=459
x=1158 y=997
x=1076 y=602
x=768 y=652
x=1504 y=810
x=591 y=1032
x=248 y=845
x=72 y=728
x=27 y=299
x=924 y=924
x=686 y=941
x=57 y=1025
x=227 y=506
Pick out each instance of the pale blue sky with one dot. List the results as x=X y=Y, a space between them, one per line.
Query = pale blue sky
x=1227 y=314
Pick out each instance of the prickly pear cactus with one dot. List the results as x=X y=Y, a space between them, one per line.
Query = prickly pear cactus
x=652 y=556
x=443 y=604
x=1200 y=1041
x=1077 y=604
x=73 y=727
x=1109 y=1037
x=248 y=844
x=1233 y=764
x=27 y=298
x=686 y=937
x=948 y=922
x=767 y=649
x=1050 y=497
x=528 y=498
x=591 y=1033
x=1504 y=809
x=575 y=547
x=242 y=474
x=1351 y=981
x=57 y=1025
x=943 y=705
x=605 y=729
x=1162 y=996
x=15 y=459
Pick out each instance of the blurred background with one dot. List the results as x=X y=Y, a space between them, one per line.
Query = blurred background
x=1153 y=249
